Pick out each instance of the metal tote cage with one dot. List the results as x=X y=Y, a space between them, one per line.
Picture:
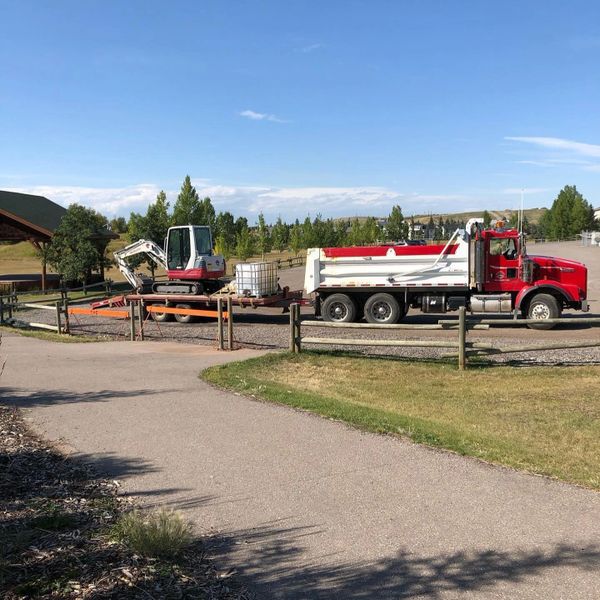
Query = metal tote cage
x=256 y=279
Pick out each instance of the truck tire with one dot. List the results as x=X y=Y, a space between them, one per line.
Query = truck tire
x=184 y=318
x=383 y=309
x=338 y=308
x=543 y=306
x=161 y=317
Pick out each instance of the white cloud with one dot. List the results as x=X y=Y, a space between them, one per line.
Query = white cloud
x=256 y=116
x=552 y=143
x=249 y=200
x=109 y=201
x=310 y=48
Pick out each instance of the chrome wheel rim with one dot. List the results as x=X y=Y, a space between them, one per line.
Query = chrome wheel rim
x=381 y=311
x=540 y=311
x=338 y=311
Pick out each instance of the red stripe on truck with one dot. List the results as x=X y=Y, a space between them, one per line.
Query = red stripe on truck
x=359 y=251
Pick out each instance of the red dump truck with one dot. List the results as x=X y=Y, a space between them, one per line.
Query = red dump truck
x=484 y=270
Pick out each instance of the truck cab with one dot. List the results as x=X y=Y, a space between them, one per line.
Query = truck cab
x=539 y=287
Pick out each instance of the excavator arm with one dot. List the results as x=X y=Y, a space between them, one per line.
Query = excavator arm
x=147 y=247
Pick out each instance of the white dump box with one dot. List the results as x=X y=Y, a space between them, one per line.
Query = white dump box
x=256 y=279
x=388 y=266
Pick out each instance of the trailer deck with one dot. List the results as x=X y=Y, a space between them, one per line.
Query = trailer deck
x=280 y=300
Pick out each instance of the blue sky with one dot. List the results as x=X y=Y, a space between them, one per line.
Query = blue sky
x=338 y=108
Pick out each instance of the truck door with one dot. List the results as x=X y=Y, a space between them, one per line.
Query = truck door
x=502 y=264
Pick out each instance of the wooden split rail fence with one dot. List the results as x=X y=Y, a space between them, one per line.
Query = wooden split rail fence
x=461 y=347
x=136 y=313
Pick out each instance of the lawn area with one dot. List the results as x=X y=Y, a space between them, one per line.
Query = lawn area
x=544 y=419
x=22 y=258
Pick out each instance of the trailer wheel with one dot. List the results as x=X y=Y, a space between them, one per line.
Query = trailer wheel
x=184 y=318
x=542 y=307
x=382 y=309
x=161 y=317
x=338 y=308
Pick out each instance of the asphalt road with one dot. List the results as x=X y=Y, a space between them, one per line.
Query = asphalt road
x=304 y=507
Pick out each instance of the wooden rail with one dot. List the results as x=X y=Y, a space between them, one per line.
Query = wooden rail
x=462 y=348
x=296 y=339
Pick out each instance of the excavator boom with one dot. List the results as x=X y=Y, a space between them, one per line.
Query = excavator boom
x=147 y=247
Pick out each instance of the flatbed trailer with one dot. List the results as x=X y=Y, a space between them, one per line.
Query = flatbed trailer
x=282 y=299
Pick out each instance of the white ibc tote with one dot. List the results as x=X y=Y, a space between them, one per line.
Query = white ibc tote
x=256 y=279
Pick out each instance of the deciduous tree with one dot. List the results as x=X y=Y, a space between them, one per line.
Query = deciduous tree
x=75 y=251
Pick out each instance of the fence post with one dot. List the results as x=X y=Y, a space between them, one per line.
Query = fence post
x=293 y=327
x=462 y=334
x=132 y=320
x=13 y=300
x=141 y=317
x=66 y=311
x=220 y=323
x=1 y=310
x=58 y=323
x=229 y=324
x=297 y=327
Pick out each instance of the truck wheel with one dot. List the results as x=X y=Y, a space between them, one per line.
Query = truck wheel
x=382 y=309
x=184 y=318
x=161 y=317
x=338 y=308
x=542 y=307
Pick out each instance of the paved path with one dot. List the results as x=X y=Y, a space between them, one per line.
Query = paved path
x=305 y=507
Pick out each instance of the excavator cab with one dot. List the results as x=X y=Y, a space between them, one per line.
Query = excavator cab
x=185 y=244
x=189 y=250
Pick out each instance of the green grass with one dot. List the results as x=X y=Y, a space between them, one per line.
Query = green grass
x=159 y=534
x=543 y=420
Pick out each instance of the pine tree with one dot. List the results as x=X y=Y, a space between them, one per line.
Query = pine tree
x=153 y=226
x=225 y=232
x=370 y=231
x=187 y=209
x=280 y=235
x=308 y=236
x=244 y=247
x=355 y=236
x=263 y=237
x=157 y=217
x=205 y=214
x=296 y=243
x=396 y=228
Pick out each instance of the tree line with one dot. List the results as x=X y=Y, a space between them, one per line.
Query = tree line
x=236 y=237
x=76 y=250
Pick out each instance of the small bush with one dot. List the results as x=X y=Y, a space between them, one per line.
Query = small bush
x=159 y=534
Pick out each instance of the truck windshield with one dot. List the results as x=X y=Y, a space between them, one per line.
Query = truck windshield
x=203 y=241
x=504 y=246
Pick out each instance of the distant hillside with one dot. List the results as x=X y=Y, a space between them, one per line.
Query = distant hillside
x=533 y=215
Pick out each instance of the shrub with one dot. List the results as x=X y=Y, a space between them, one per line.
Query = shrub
x=159 y=534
